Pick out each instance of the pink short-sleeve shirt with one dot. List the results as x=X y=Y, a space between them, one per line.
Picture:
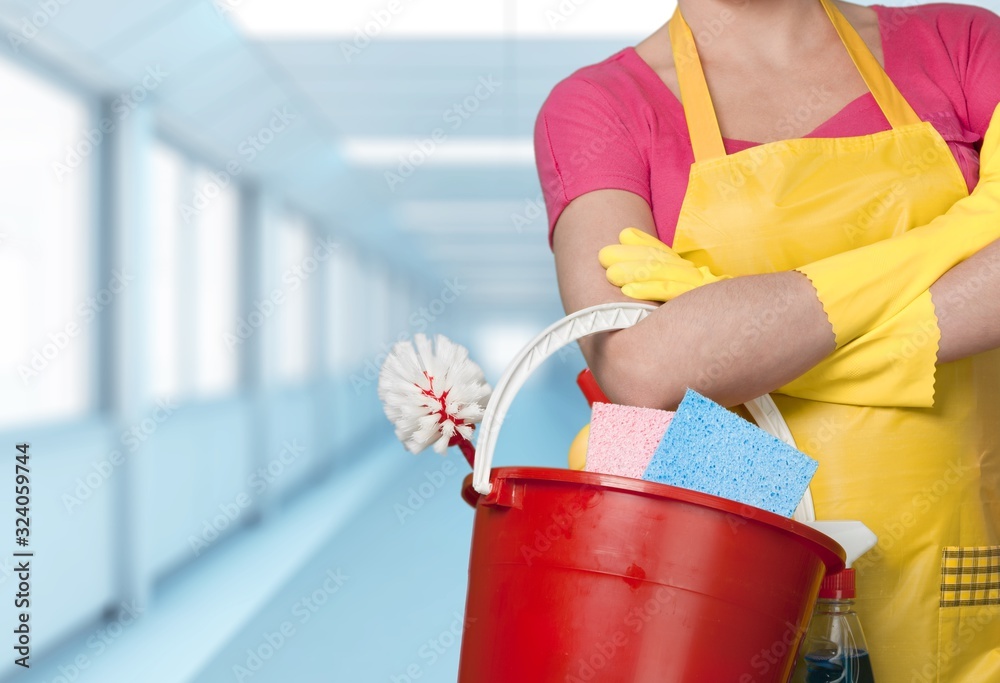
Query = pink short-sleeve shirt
x=616 y=125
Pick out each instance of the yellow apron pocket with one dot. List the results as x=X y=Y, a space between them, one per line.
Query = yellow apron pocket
x=968 y=618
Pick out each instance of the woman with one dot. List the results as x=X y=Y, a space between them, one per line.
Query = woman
x=902 y=411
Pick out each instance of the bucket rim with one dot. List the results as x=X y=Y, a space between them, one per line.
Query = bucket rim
x=832 y=553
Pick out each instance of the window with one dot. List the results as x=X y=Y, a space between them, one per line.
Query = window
x=167 y=174
x=293 y=316
x=52 y=298
x=343 y=348
x=216 y=279
x=195 y=297
x=399 y=306
x=378 y=308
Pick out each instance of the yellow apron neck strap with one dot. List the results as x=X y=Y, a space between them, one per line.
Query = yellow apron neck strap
x=894 y=106
x=703 y=124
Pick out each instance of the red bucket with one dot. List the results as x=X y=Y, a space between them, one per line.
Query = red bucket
x=578 y=577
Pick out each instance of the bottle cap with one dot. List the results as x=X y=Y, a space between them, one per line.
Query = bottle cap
x=838 y=586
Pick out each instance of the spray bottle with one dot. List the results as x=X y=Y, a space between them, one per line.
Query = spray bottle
x=834 y=648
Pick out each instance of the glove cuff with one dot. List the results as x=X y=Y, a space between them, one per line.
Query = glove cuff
x=893 y=365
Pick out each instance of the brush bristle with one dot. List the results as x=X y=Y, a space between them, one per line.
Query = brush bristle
x=432 y=392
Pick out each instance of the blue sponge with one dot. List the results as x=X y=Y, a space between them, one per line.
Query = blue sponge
x=709 y=449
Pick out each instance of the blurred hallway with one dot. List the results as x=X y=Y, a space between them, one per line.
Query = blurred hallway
x=216 y=219
x=375 y=591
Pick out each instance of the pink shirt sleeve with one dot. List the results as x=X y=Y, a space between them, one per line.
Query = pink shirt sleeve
x=582 y=144
x=976 y=33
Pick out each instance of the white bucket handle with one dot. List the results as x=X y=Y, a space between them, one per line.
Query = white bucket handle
x=601 y=318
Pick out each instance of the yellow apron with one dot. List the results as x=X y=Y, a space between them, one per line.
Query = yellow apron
x=926 y=480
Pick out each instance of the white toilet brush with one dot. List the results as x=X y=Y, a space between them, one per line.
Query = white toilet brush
x=433 y=394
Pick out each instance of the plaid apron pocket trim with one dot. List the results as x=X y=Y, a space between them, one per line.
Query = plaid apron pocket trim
x=970 y=576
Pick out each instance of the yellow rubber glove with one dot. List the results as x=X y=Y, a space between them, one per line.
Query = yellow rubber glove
x=876 y=297
x=863 y=288
x=877 y=369
x=578 y=449
x=646 y=268
x=890 y=366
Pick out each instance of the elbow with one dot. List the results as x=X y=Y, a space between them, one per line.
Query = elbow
x=628 y=377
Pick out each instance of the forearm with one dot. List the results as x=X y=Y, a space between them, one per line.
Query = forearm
x=738 y=339
x=967 y=305
x=732 y=341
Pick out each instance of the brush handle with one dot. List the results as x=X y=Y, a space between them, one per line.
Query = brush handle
x=602 y=318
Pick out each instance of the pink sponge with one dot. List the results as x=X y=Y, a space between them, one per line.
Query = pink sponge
x=624 y=438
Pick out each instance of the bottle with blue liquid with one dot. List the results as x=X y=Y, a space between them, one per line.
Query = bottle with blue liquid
x=834 y=649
